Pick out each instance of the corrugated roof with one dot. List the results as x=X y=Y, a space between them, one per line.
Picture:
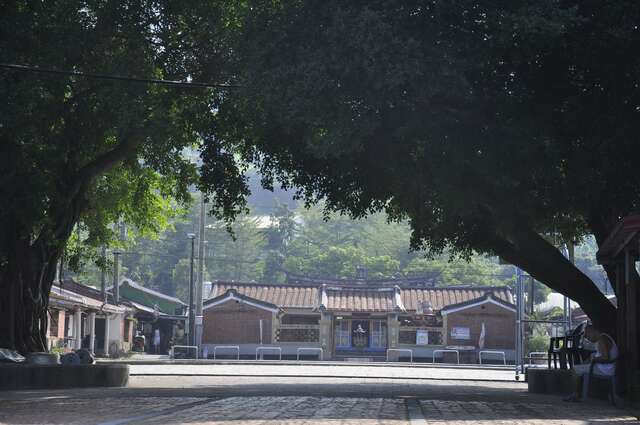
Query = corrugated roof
x=135 y=285
x=281 y=295
x=360 y=299
x=443 y=297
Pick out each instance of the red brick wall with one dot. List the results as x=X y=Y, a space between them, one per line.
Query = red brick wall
x=499 y=326
x=237 y=323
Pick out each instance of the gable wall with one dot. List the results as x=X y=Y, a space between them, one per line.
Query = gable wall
x=499 y=326
x=234 y=322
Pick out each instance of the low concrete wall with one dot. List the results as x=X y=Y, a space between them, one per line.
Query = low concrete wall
x=551 y=381
x=32 y=377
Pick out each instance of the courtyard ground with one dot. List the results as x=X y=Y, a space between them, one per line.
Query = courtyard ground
x=271 y=394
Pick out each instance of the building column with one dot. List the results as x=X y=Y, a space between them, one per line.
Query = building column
x=77 y=325
x=445 y=330
x=47 y=331
x=106 y=335
x=393 y=327
x=92 y=331
x=61 y=319
x=326 y=342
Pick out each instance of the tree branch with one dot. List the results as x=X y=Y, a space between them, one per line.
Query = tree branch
x=532 y=253
x=104 y=162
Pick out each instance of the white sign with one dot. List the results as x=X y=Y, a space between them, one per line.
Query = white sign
x=460 y=333
x=422 y=337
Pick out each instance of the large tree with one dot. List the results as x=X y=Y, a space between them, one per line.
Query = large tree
x=82 y=153
x=506 y=127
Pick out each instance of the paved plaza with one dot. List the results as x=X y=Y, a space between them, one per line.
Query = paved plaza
x=162 y=396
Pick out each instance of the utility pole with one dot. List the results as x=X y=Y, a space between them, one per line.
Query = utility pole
x=116 y=277
x=103 y=275
x=571 y=250
x=200 y=280
x=191 y=339
x=531 y=296
x=122 y=230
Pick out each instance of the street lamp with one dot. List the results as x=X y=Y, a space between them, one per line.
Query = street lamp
x=192 y=320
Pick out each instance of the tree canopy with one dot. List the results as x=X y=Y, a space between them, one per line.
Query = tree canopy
x=80 y=154
x=507 y=128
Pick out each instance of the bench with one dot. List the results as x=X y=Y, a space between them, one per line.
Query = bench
x=235 y=348
x=401 y=350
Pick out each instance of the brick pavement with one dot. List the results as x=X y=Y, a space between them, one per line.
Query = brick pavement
x=301 y=400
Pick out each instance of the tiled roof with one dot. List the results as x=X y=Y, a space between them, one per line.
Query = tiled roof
x=487 y=298
x=66 y=297
x=84 y=290
x=446 y=296
x=232 y=294
x=360 y=299
x=281 y=295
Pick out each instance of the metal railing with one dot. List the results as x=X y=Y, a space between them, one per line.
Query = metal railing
x=313 y=349
x=433 y=357
x=173 y=347
x=262 y=349
x=400 y=350
x=226 y=347
x=504 y=357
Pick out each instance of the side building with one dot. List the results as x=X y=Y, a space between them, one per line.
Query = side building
x=81 y=317
x=155 y=311
x=359 y=320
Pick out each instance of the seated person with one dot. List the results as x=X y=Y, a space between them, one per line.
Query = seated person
x=602 y=361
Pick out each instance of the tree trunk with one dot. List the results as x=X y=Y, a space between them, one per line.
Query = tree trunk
x=25 y=282
x=528 y=250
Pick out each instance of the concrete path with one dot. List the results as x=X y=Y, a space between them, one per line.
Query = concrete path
x=325 y=371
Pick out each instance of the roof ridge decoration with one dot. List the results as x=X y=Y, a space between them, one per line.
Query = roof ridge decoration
x=323 y=300
x=397 y=297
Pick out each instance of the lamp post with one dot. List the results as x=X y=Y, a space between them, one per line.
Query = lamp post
x=191 y=236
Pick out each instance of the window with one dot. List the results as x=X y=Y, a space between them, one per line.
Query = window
x=435 y=337
x=378 y=333
x=343 y=334
x=420 y=337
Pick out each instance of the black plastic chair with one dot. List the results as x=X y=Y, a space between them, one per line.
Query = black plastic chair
x=566 y=350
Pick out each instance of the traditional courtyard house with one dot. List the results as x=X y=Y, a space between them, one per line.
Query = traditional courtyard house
x=359 y=319
x=79 y=317
x=155 y=310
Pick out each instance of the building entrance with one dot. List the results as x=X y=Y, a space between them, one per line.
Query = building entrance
x=360 y=336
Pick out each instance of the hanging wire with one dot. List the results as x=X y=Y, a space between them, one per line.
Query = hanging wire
x=51 y=71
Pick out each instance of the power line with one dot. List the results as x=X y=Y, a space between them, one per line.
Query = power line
x=40 y=70
x=215 y=259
